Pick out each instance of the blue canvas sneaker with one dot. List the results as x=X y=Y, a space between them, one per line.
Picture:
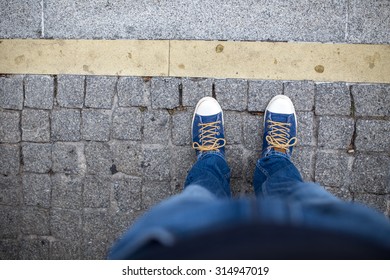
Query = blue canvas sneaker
x=280 y=127
x=207 y=127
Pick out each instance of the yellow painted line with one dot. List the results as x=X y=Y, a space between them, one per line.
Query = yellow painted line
x=85 y=57
x=215 y=59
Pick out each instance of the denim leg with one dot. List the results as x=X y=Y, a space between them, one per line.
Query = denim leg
x=211 y=172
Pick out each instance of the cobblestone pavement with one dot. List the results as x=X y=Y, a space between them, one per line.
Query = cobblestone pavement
x=83 y=157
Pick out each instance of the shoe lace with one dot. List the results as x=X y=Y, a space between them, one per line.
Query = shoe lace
x=208 y=137
x=279 y=135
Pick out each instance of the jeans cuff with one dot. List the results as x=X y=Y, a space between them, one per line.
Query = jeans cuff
x=201 y=155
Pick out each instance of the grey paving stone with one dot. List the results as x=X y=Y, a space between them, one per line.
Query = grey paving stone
x=371 y=135
x=11 y=92
x=68 y=158
x=233 y=127
x=240 y=188
x=95 y=232
x=70 y=91
x=36 y=157
x=126 y=157
x=371 y=174
x=332 y=99
x=250 y=161
x=154 y=192
x=10 y=159
x=127 y=124
x=96 y=191
x=39 y=92
x=181 y=128
x=35 y=249
x=182 y=160
x=65 y=125
x=260 y=94
x=195 y=89
x=127 y=192
x=303 y=159
x=235 y=159
x=120 y=222
x=335 y=132
x=9 y=126
x=368 y=22
x=371 y=100
x=67 y=191
x=100 y=91
x=35 y=221
x=66 y=224
x=96 y=124
x=342 y=193
x=301 y=94
x=333 y=168
x=65 y=250
x=9 y=249
x=249 y=20
x=377 y=202
x=253 y=127
x=9 y=216
x=10 y=190
x=165 y=93
x=37 y=190
x=99 y=158
x=155 y=163
x=133 y=91
x=156 y=126
x=232 y=94
x=305 y=129
x=35 y=125
x=20 y=19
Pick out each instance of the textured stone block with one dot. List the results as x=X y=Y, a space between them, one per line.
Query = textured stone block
x=9 y=216
x=35 y=125
x=66 y=224
x=333 y=99
x=96 y=125
x=372 y=135
x=35 y=249
x=233 y=127
x=155 y=163
x=371 y=100
x=10 y=159
x=99 y=158
x=65 y=250
x=253 y=126
x=302 y=157
x=156 y=126
x=9 y=249
x=371 y=174
x=335 y=132
x=195 y=89
x=127 y=124
x=127 y=192
x=301 y=94
x=126 y=158
x=374 y=201
x=165 y=93
x=35 y=221
x=36 y=157
x=133 y=91
x=250 y=161
x=39 y=92
x=260 y=94
x=342 y=193
x=66 y=191
x=70 y=91
x=9 y=126
x=305 y=129
x=333 y=168
x=181 y=162
x=181 y=128
x=65 y=125
x=232 y=94
x=235 y=159
x=96 y=191
x=100 y=91
x=36 y=190
x=11 y=92
x=120 y=222
x=96 y=232
x=10 y=190
x=68 y=158
x=154 y=192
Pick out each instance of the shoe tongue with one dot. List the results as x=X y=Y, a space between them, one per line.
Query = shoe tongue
x=212 y=118
x=280 y=117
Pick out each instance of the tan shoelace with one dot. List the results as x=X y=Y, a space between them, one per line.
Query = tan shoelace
x=208 y=137
x=279 y=137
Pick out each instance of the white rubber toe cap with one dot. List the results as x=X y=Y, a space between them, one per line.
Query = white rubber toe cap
x=208 y=106
x=281 y=104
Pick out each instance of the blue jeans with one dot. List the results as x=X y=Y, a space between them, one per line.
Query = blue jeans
x=282 y=198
